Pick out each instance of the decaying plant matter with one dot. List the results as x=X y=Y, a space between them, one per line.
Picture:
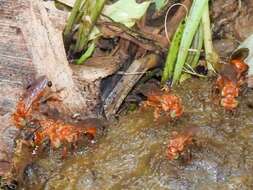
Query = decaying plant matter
x=126 y=83
x=125 y=51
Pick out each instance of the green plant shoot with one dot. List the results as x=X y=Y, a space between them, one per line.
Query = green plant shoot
x=172 y=53
x=191 y=27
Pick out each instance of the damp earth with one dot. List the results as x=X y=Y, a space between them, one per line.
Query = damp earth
x=132 y=152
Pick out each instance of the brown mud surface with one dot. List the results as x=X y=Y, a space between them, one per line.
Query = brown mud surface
x=132 y=154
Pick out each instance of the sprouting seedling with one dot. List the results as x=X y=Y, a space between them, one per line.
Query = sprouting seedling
x=174 y=46
x=191 y=27
x=172 y=53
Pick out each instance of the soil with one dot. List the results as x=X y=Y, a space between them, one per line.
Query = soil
x=132 y=155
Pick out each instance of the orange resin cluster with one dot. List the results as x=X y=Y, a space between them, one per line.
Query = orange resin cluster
x=59 y=132
x=179 y=142
x=56 y=131
x=229 y=86
x=165 y=102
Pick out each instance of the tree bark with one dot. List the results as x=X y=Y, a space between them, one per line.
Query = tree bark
x=31 y=45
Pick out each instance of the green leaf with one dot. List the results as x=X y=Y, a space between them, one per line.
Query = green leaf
x=94 y=33
x=126 y=11
x=197 y=44
x=212 y=57
x=72 y=17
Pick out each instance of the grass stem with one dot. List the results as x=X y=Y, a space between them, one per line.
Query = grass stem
x=191 y=27
x=211 y=56
x=92 y=10
x=72 y=18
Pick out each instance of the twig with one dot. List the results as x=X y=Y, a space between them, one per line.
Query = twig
x=118 y=29
x=126 y=83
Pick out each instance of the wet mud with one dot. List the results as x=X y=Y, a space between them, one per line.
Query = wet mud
x=132 y=153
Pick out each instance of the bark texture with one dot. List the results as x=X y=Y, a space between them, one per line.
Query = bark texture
x=31 y=45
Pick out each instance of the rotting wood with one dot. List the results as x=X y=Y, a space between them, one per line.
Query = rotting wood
x=46 y=48
x=16 y=70
x=136 y=70
x=57 y=17
x=31 y=45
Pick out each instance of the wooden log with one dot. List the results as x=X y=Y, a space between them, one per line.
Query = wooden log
x=31 y=45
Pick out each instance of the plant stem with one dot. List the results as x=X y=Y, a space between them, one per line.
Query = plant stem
x=191 y=27
x=72 y=17
x=92 y=10
x=172 y=53
x=211 y=57
x=87 y=54
x=197 y=44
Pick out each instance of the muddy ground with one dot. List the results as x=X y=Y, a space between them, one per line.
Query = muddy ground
x=132 y=154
